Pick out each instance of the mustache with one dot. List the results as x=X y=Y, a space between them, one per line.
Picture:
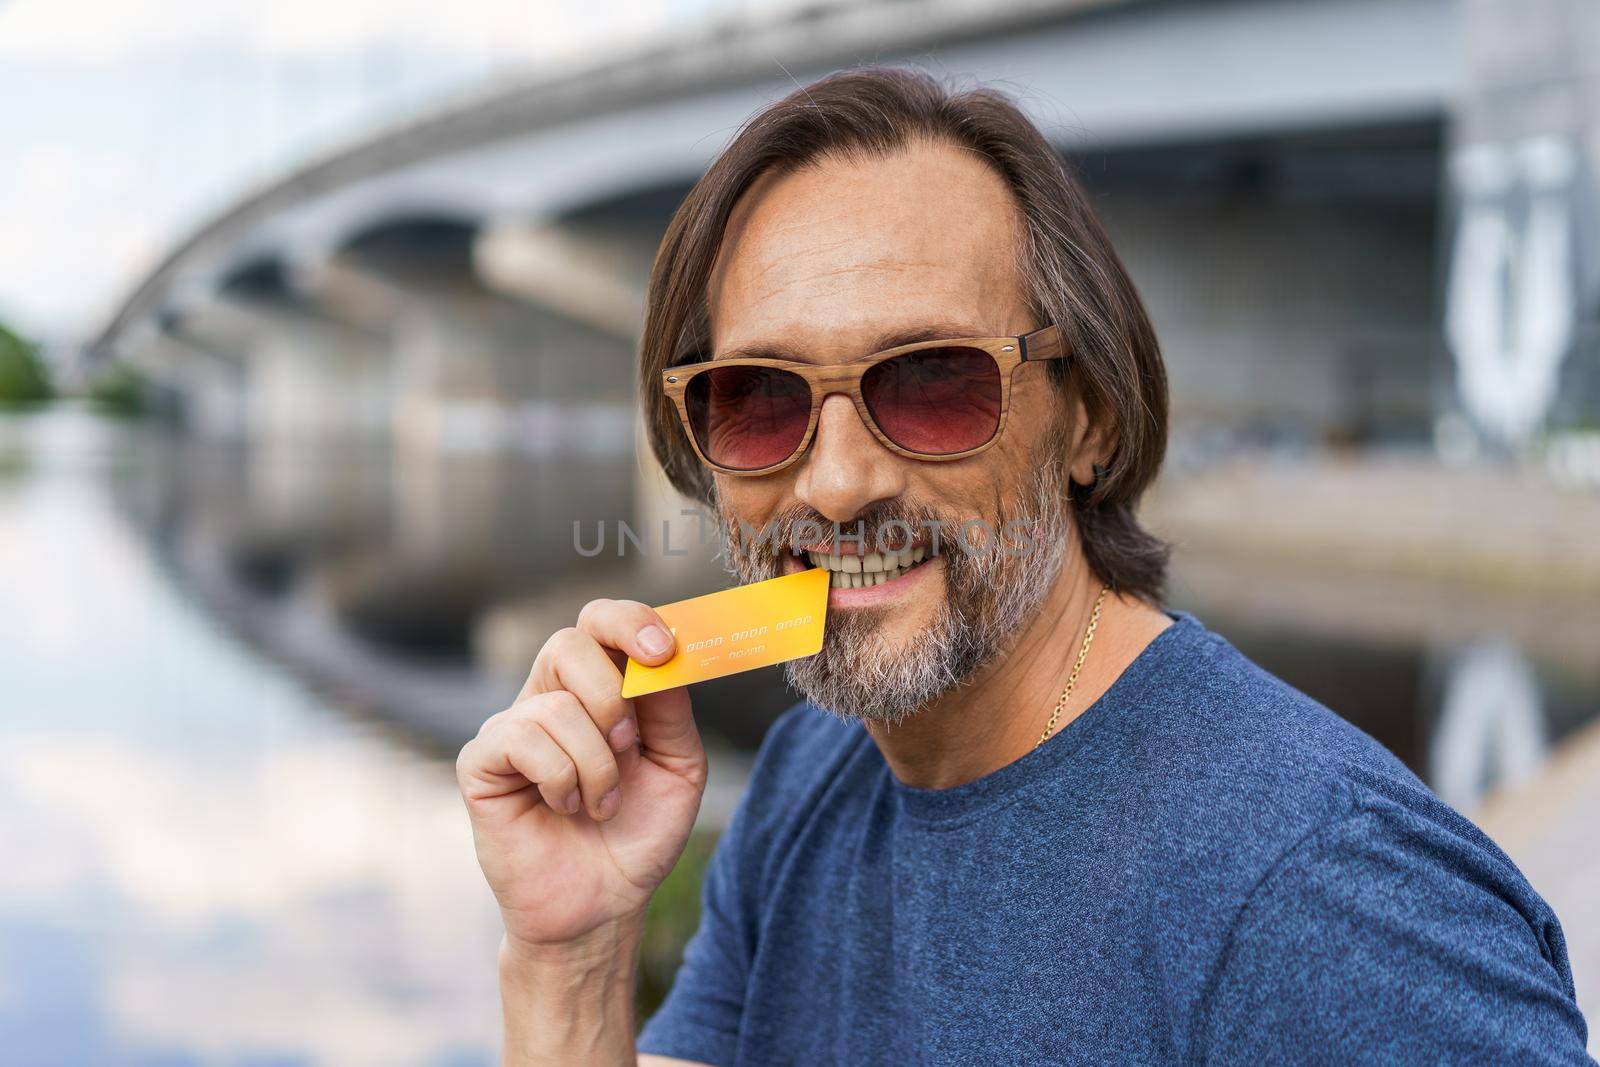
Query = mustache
x=885 y=525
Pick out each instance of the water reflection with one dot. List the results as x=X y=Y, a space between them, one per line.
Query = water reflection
x=206 y=865
x=1471 y=688
x=1491 y=727
x=230 y=681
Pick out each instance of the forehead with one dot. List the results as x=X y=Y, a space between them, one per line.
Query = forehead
x=828 y=256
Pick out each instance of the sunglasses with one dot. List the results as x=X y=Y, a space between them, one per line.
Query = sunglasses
x=932 y=400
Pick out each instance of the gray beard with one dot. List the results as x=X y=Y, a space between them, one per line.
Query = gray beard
x=989 y=597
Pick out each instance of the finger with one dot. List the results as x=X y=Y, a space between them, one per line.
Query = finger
x=542 y=761
x=569 y=725
x=630 y=627
x=578 y=665
x=627 y=760
x=667 y=729
x=510 y=753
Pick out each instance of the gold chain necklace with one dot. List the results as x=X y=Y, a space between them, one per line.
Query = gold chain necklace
x=1072 y=679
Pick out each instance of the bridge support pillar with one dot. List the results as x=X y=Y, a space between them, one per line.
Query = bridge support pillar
x=1524 y=174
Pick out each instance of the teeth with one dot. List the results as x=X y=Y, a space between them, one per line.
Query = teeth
x=850 y=571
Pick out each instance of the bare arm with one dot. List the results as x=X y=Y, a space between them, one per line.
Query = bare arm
x=574 y=1006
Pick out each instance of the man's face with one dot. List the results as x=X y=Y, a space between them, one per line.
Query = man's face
x=826 y=263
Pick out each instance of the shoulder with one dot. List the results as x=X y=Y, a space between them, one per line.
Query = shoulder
x=1252 y=770
x=1385 y=936
x=803 y=751
x=1217 y=734
x=1297 y=852
x=807 y=731
x=808 y=758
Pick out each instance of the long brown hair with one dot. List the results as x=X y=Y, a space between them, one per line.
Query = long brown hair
x=1072 y=277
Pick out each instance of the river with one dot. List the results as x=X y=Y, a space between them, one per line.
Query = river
x=229 y=828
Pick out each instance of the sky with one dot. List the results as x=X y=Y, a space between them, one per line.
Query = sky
x=125 y=125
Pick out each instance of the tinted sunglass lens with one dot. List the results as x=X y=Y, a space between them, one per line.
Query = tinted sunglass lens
x=748 y=418
x=936 y=401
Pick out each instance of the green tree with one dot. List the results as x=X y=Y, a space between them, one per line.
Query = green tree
x=118 y=389
x=24 y=379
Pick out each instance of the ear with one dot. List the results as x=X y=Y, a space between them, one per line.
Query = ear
x=1091 y=445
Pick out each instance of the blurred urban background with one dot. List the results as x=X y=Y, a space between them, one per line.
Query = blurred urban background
x=320 y=322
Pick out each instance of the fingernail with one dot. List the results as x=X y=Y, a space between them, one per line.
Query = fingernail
x=571 y=803
x=622 y=735
x=654 y=640
x=610 y=803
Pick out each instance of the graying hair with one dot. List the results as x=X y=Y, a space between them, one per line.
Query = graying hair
x=1071 y=275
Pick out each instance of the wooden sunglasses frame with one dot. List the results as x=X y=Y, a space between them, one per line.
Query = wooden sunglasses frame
x=1008 y=353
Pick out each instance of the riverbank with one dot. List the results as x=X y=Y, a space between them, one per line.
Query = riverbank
x=1499 y=528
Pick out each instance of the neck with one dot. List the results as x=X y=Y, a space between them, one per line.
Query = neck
x=998 y=714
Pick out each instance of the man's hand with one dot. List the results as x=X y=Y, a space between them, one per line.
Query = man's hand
x=581 y=803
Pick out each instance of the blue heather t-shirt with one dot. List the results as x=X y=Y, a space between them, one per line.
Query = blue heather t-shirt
x=1205 y=866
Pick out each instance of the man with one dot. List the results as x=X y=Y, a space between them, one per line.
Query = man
x=1041 y=819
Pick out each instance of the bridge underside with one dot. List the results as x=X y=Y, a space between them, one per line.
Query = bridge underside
x=1284 y=179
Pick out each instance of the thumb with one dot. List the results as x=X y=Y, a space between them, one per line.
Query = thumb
x=667 y=730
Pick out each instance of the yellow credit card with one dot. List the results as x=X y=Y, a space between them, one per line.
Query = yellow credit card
x=736 y=630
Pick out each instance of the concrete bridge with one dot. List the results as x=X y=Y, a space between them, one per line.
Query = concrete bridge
x=1276 y=172
x=1353 y=220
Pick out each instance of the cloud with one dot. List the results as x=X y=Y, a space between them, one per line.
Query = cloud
x=314 y=900
x=75 y=222
x=484 y=29
x=127 y=124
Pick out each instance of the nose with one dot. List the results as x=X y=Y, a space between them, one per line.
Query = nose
x=847 y=469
